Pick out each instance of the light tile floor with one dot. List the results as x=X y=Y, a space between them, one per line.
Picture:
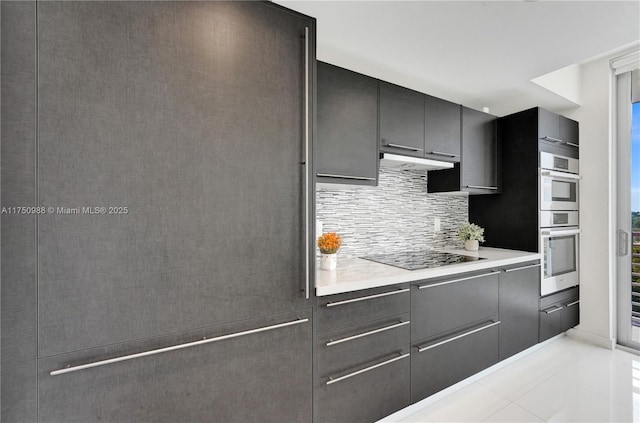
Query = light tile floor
x=564 y=381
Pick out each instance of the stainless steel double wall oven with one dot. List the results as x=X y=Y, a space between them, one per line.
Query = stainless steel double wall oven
x=559 y=222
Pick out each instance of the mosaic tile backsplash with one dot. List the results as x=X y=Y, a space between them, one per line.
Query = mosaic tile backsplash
x=397 y=215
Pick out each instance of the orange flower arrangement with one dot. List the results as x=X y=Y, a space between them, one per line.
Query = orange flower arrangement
x=329 y=243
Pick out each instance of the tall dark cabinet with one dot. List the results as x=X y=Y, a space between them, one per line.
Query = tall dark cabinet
x=186 y=122
x=511 y=219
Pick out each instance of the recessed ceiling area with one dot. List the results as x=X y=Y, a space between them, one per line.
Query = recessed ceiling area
x=477 y=53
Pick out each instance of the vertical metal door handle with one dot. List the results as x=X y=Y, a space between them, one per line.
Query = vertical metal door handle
x=623 y=243
x=307 y=167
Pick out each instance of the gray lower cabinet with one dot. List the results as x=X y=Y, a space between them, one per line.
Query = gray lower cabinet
x=362 y=355
x=559 y=312
x=355 y=308
x=367 y=392
x=442 y=305
x=346 y=144
x=242 y=377
x=454 y=330
x=441 y=362
x=197 y=131
x=519 y=295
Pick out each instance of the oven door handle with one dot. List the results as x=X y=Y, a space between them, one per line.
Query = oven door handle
x=552 y=232
x=561 y=175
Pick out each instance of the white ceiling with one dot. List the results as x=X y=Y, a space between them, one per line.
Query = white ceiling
x=477 y=53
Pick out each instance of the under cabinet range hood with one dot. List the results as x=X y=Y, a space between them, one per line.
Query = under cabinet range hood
x=395 y=161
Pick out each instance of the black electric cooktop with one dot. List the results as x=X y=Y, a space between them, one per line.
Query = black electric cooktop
x=423 y=259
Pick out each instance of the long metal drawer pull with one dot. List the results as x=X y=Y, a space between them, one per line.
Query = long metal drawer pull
x=371 y=332
x=522 y=268
x=571 y=304
x=462 y=335
x=358 y=178
x=442 y=153
x=551 y=311
x=404 y=147
x=456 y=280
x=572 y=144
x=552 y=139
x=368 y=297
x=366 y=369
x=482 y=187
x=174 y=347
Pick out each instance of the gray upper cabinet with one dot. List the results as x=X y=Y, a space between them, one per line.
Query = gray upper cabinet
x=478 y=170
x=479 y=152
x=346 y=145
x=256 y=377
x=401 y=120
x=558 y=134
x=442 y=129
x=189 y=114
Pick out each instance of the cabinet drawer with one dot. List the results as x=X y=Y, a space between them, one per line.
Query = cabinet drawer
x=444 y=305
x=447 y=360
x=365 y=393
x=345 y=348
x=559 y=316
x=224 y=380
x=350 y=309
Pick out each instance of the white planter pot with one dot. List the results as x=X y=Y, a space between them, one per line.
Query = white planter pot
x=470 y=245
x=328 y=261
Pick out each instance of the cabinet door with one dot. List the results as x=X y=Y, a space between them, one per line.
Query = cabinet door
x=350 y=309
x=570 y=313
x=479 y=152
x=189 y=115
x=550 y=322
x=569 y=132
x=18 y=329
x=519 y=296
x=401 y=120
x=442 y=129
x=256 y=377
x=443 y=362
x=346 y=147
x=444 y=305
x=367 y=392
x=548 y=126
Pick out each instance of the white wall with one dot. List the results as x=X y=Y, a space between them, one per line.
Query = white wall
x=597 y=191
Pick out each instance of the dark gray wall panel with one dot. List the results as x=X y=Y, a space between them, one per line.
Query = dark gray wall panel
x=18 y=250
x=190 y=115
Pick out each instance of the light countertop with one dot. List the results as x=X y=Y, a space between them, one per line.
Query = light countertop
x=353 y=274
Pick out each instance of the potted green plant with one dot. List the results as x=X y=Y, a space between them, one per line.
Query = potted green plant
x=472 y=235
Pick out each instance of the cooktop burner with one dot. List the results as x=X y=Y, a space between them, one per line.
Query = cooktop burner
x=424 y=259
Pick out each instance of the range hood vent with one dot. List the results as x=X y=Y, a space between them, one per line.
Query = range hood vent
x=394 y=161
